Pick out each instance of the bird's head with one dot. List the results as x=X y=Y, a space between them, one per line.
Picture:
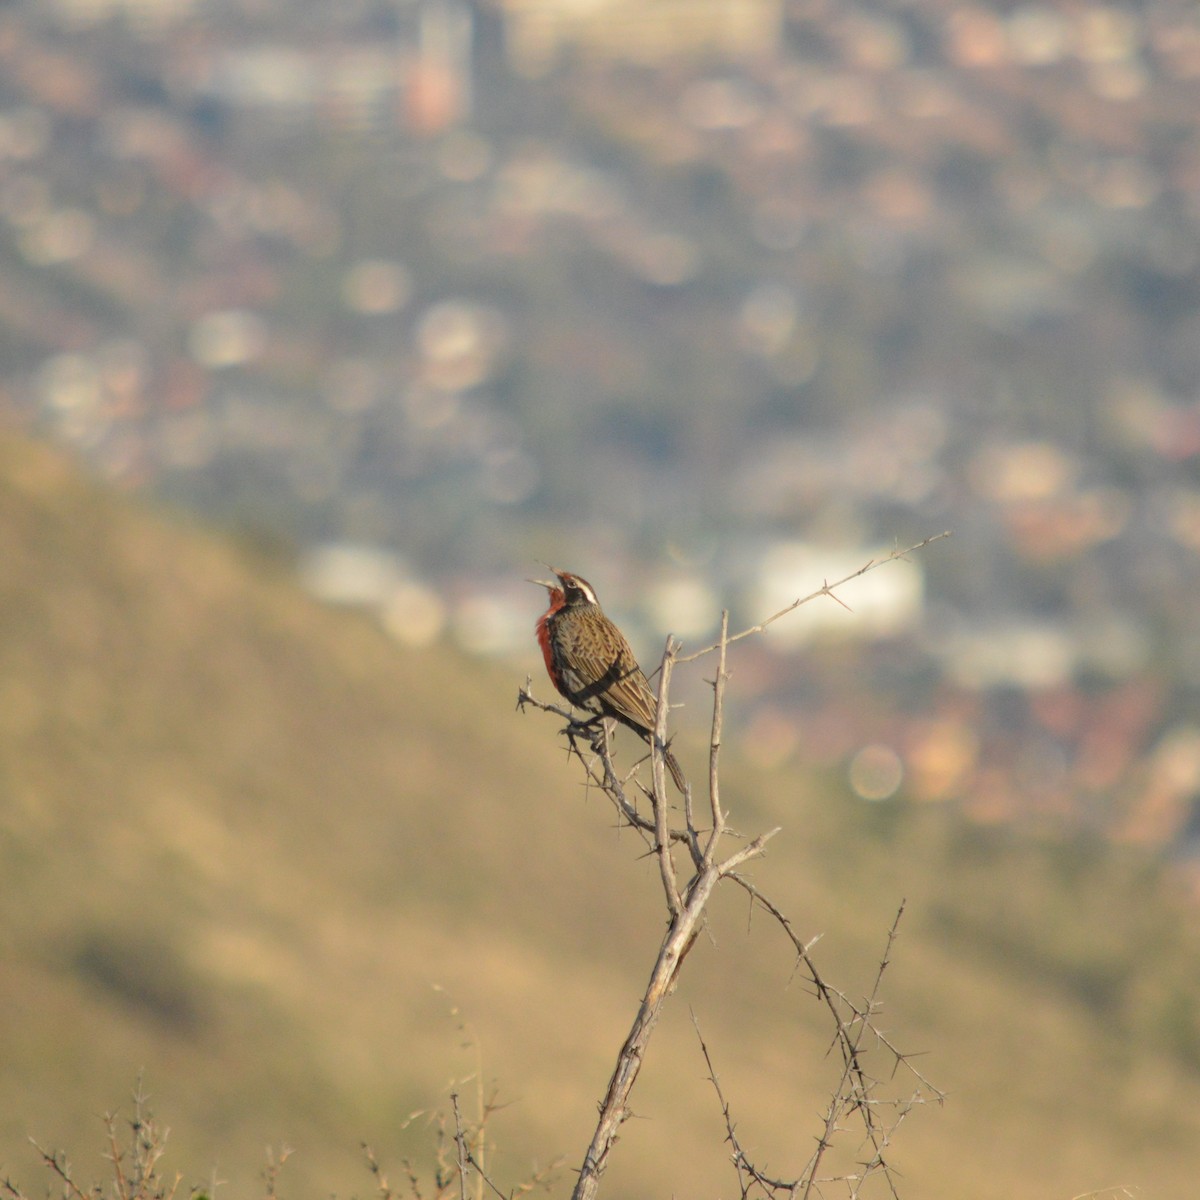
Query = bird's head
x=573 y=589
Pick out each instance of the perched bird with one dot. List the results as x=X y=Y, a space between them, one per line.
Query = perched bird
x=590 y=662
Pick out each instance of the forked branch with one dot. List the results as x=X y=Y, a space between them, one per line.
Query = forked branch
x=855 y=1034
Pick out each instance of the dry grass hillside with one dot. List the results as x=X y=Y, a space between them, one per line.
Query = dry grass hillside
x=298 y=879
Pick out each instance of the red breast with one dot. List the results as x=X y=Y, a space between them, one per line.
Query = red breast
x=542 y=629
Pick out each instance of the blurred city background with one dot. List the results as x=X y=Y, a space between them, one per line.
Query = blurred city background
x=708 y=300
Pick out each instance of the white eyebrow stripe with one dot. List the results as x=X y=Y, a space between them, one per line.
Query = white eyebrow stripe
x=586 y=588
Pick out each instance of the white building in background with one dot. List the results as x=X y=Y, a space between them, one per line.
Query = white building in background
x=880 y=603
x=355 y=575
x=643 y=31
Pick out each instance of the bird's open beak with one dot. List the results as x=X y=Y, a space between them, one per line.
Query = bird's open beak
x=547 y=583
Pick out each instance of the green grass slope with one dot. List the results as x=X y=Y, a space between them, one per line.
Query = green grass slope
x=300 y=879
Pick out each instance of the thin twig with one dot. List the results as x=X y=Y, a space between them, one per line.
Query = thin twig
x=741 y=1160
x=62 y=1168
x=714 y=743
x=461 y=1145
x=115 y=1156
x=382 y=1188
x=826 y=589
x=662 y=839
x=484 y=1176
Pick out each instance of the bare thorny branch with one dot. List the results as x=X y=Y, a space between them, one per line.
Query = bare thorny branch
x=460 y=1154
x=135 y=1173
x=856 y=1034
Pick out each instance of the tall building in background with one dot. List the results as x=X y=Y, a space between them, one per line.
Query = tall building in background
x=439 y=91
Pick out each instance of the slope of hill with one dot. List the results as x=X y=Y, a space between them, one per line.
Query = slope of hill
x=299 y=878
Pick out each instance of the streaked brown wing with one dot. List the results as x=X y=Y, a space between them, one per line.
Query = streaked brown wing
x=603 y=671
x=631 y=699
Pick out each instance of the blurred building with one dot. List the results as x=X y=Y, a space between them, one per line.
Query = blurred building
x=439 y=93
x=642 y=31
